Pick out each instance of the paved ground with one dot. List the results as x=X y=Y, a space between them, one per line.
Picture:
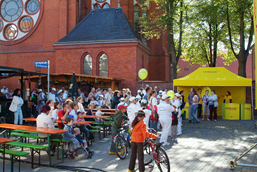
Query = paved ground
x=208 y=146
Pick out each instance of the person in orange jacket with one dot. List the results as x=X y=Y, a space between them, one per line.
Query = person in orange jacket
x=138 y=137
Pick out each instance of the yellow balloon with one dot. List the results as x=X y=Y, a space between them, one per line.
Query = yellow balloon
x=142 y=73
x=204 y=89
x=171 y=94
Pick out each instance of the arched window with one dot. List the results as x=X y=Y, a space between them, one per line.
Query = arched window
x=87 y=65
x=136 y=19
x=106 y=6
x=103 y=65
x=97 y=6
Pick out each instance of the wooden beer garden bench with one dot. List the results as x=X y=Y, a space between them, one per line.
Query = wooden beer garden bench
x=34 y=148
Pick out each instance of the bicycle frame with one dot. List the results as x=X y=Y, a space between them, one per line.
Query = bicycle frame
x=153 y=148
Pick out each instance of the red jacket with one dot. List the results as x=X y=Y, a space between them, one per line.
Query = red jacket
x=140 y=133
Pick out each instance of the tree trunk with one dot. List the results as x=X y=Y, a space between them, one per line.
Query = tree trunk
x=242 y=66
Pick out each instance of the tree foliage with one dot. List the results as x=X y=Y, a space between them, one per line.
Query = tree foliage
x=167 y=19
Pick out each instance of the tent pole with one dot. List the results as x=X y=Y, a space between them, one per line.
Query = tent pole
x=252 y=102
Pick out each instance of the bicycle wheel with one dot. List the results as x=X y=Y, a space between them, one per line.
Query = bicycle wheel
x=120 y=147
x=164 y=164
x=148 y=155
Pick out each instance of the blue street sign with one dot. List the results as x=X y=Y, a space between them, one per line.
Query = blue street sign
x=41 y=64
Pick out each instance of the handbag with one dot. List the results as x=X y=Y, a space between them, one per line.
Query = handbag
x=216 y=104
x=13 y=107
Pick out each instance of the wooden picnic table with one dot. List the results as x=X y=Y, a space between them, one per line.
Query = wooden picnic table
x=48 y=131
x=59 y=121
x=103 y=109
x=93 y=116
x=3 y=141
x=108 y=113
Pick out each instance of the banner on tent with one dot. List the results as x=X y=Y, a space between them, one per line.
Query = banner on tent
x=231 y=111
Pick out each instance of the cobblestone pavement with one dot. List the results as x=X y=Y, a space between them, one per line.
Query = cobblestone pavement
x=207 y=146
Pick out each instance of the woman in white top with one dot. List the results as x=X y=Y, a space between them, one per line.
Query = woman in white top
x=153 y=106
x=51 y=104
x=194 y=107
x=57 y=108
x=74 y=112
x=177 y=104
x=17 y=101
x=81 y=108
x=213 y=104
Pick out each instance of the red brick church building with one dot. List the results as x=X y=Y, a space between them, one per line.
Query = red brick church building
x=95 y=37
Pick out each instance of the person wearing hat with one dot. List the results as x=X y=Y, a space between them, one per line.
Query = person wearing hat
x=101 y=101
x=139 y=101
x=165 y=116
x=122 y=102
x=41 y=100
x=177 y=104
x=117 y=124
x=148 y=112
x=51 y=95
x=132 y=109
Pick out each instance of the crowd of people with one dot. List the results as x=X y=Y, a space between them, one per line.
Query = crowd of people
x=149 y=108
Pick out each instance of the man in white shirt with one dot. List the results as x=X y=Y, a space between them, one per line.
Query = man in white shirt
x=4 y=90
x=132 y=110
x=65 y=93
x=51 y=95
x=165 y=116
x=122 y=102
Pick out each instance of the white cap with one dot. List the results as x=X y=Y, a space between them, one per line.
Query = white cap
x=39 y=90
x=139 y=91
x=144 y=101
x=53 y=89
x=59 y=91
x=101 y=96
x=177 y=95
x=165 y=96
x=122 y=99
x=132 y=98
x=160 y=91
x=138 y=97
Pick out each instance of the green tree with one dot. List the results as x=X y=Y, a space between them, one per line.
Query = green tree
x=240 y=30
x=205 y=33
x=167 y=18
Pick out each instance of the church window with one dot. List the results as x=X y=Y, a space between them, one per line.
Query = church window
x=11 y=9
x=106 y=6
x=97 y=6
x=11 y=32
x=32 y=6
x=26 y=24
x=103 y=65
x=87 y=65
x=136 y=19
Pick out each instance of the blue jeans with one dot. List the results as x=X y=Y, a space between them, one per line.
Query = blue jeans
x=18 y=116
x=193 y=113
x=153 y=124
x=114 y=132
x=87 y=133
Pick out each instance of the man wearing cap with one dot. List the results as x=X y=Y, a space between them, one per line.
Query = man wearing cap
x=122 y=102
x=117 y=124
x=41 y=98
x=132 y=110
x=51 y=95
x=165 y=117
x=139 y=101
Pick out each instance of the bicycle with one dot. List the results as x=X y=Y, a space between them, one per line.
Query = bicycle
x=154 y=152
x=121 y=142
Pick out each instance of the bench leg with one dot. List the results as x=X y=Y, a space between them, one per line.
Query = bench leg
x=11 y=163
x=19 y=163
x=32 y=158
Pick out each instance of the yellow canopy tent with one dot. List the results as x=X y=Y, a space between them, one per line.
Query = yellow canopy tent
x=217 y=78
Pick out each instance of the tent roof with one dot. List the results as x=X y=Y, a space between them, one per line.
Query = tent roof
x=212 y=76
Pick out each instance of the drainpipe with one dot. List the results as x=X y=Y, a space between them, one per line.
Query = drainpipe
x=79 y=9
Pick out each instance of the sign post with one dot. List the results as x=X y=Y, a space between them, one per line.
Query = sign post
x=46 y=65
